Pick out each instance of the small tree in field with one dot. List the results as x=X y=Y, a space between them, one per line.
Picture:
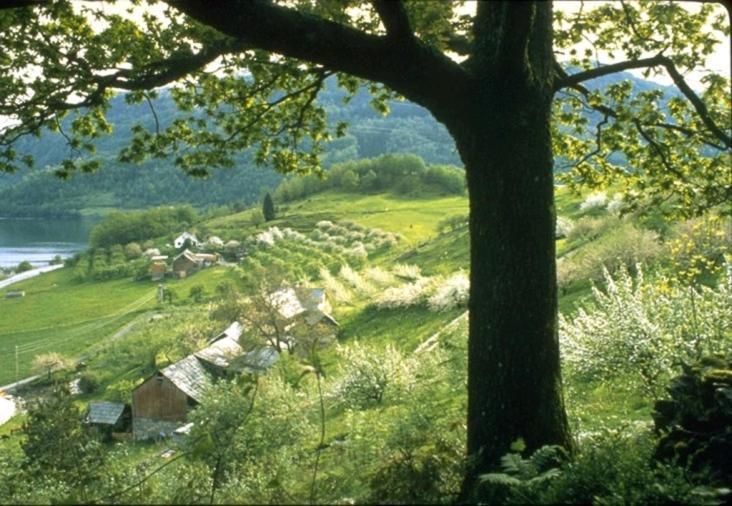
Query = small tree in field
x=268 y=209
x=50 y=362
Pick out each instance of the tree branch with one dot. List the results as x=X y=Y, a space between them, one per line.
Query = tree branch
x=416 y=71
x=569 y=80
x=573 y=81
x=395 y=19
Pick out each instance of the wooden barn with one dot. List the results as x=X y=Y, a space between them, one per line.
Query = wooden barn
x=161 y=404
x=186 y=264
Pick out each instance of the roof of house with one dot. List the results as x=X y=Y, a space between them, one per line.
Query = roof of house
x=157 y=258
x=257 y=360
x=187 y=235
x=221 y=352
x=190 y=376
x=233 y=331
x=105 y=412
x=188 y=255
x=206 y=257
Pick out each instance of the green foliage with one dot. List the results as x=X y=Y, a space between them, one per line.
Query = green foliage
x=452 y=223
x=89 y=383
x=24 y=266
x=58 y=446
x=123 y=228
x=522 y=480
x=401 y=173
x=197 y=293
x=696 y=422
x=268 y=208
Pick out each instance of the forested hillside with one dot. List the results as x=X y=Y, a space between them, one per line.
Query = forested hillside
x=408 y=128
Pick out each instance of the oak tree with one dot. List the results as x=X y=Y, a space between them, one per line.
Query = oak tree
x=515 y=83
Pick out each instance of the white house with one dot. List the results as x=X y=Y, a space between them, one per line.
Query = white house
x=186 y=236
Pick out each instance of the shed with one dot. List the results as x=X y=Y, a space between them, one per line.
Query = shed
x=108 y=417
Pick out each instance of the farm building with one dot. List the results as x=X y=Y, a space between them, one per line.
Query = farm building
x=108 y=417
x=186 y=236
x=188 y=262
x=161 y=404
x=157 y=270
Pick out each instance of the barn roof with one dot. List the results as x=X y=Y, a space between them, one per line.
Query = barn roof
x=105 y=412
x=221 y=352
x=190 y=376
x=257 y=360
x=188 y=255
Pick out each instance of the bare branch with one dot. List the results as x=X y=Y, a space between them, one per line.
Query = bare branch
x=569 y=80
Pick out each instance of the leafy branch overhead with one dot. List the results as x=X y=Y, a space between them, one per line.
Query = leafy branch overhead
x=247 y=75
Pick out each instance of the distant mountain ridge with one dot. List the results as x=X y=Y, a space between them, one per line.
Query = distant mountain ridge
x=409 y=128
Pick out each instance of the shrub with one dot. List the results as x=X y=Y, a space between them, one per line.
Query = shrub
x=24 y=266
x=696 y=421
x=563 y=227
x=356 y=281
x=89 y=383
x=256 y=217
x=408 y=294
x=379 y=276
x=452 y=293
x=594 y=201
x=623 y=247
x=452 y=223
x=616 y=205
x=133 y=250
x=370 y=375
x=636 y=331
x=699 y=246
x=405 y=271
x=587 y=228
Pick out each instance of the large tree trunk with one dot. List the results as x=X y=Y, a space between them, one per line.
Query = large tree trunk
x=503 y=136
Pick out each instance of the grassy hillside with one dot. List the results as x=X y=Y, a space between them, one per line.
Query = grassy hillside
x=383 y=421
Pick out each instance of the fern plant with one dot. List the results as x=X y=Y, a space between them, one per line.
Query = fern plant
x=523 y=479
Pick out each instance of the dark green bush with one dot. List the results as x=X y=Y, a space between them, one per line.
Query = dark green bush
x=696 y=422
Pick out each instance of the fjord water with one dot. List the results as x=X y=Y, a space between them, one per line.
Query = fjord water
x=39 y=240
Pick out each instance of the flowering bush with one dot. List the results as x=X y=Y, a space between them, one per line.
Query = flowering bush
x=408 y=294
x=370 y=375
x=452 y=293
x=380 y=276
x=563 y=227
x=638 y=331
x=596 y=200
x=407 y=271
x=616 y=205
x=334 y=288
x=356 y=281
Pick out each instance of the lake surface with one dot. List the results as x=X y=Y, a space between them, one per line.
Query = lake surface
x=39 y=240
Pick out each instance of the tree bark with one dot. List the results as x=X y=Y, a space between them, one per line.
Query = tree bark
x=503 y=136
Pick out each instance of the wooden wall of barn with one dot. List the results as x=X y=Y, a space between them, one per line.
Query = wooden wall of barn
x=159 y=399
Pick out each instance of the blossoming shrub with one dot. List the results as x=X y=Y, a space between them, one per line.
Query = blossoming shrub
x=356 y=281
x=379 y=276
x=370 y=376
x=335 y=288
x=405 y=271
x=594 y=201
x=408 y=294
x=635 y=331
x=452 y=293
